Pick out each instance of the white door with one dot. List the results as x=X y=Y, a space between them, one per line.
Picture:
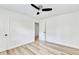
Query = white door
x=43 y=31
x=20 y=32
x=4 y=31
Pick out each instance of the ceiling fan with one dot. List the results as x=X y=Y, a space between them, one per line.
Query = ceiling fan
x=40 y=8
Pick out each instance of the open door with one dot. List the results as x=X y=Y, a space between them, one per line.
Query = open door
x=42 y=31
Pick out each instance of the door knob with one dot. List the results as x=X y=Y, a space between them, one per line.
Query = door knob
x=6 y=35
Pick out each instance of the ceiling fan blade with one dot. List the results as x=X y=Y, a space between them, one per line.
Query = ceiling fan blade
x=35 y=6
x=47 y=9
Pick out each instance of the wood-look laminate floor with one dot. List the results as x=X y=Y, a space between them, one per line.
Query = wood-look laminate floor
x=43 y=48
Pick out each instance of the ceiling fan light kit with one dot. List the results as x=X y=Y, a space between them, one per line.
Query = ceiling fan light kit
x=38 y=13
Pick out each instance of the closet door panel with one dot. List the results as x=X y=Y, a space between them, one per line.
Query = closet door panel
x=4 y=31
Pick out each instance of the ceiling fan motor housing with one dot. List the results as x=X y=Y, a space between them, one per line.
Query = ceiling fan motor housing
x=40 y=6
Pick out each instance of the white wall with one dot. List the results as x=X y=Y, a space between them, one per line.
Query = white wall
x=64 y=29
x=21 y=28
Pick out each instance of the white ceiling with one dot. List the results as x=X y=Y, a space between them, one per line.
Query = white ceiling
x=58 y=9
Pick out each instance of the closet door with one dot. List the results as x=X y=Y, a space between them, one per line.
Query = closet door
x=4 y=31
x=20 y=30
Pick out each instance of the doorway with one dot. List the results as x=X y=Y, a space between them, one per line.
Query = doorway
x=36 y=32
x=40 y=35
